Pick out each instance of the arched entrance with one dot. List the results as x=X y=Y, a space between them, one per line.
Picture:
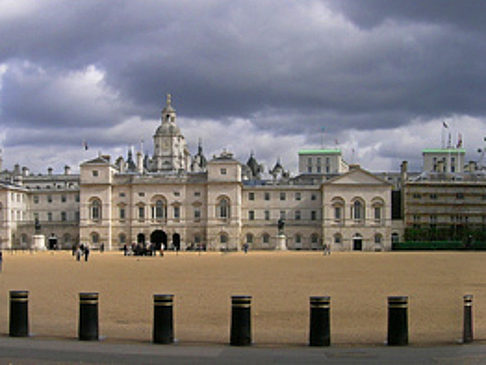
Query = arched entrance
x=176 y=241
x=158 y=238
x=357 y=242
x=141 y=239
x=52 y=242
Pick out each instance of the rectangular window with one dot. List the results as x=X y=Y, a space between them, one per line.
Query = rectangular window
x=63 y=216
x=177 y=212
x=63 y=198
x=267 y=196
x=297 y=215
x=459 y=195
x=337 y=213
x=282 y=214
x=197 y=213
x=49 y=198
x=313 y=196
x=36 y=199
x=416 y=196
x=433 y=196
x=122 y=213
x=377 y=213
x=282 y=196
x=223 y=171
x=77 y=198
x=76 y=216
x=313 y=215
x=141 y=194
x=197 y=193
x=177 y=193
x=141 y=212
x=95 y=173
x=297 y=196
x=251 y=196
x=267 y=215
x=309 y=169
x=121 y=195
x=251 y=215
x=49 y=216
x=318 y=169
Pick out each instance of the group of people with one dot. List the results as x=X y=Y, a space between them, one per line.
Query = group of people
x=81 y=250
x=140 y=249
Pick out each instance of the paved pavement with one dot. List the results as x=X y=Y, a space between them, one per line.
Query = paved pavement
x=26 y=351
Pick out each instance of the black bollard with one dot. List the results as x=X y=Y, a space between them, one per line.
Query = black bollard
x=468 y=326
x=320 y=333
x=88 y=317
x=240 y=320
x=397 y=321
x=19 y=314
x=163 y=331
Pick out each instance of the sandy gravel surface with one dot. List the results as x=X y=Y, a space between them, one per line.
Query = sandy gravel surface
x=280 y=284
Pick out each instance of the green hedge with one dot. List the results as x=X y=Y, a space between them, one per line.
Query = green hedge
x=438 y=245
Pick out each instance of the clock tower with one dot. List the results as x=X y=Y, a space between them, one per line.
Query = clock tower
x=170 y=148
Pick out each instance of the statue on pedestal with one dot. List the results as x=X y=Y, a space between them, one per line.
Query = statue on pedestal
x=37 y=226
x=281 y=225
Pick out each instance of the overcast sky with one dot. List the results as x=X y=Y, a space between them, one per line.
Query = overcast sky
x=380 y=77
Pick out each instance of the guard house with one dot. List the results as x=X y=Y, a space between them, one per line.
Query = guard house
x=323 y=161
x=448 y=160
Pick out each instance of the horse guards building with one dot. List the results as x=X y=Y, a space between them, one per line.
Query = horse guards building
x=189 y=202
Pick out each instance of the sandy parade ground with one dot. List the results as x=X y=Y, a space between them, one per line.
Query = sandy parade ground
x=280 y=283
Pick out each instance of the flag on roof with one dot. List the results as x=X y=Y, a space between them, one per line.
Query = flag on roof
x=444 y=124
x=85 y=145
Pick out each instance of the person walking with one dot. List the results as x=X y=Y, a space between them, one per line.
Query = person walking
x=78 y=253
x=86 y=252
x=245 y=247
x=1 y=260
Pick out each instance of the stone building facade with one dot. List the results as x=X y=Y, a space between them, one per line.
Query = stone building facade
x=184 y=201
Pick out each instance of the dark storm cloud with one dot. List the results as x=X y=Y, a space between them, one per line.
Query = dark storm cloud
x=288 y=67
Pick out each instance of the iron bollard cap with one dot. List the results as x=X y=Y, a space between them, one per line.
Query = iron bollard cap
x=19 y=295
x=88 y=295
x=398 y=302
x=320 y=301
x=243 y=301
x=468 y=298
x=164 y=300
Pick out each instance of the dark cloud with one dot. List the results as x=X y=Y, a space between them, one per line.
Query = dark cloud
x=288 y=68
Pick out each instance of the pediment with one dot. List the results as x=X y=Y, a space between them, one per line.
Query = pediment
x=357 y=176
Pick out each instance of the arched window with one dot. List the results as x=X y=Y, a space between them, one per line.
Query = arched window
x=249 y=238
x=95 y=238
x=358 y=210
x=266 y=238
x=122 y=238
x=223 y=208
x=395 y=238
x=66 y=239
x=223 y=238
x=338 y=239
x=338 y=209
x=159 y=209
x=95 y=210
x=377 y=205
x=378 y=238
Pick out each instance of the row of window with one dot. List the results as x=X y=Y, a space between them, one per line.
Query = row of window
x=63 y=216
x=357 y=211
x=282 y=215
x=377 y=238
x=50 y=199
x=282 y=195
x=434 y=196
x=265 y=238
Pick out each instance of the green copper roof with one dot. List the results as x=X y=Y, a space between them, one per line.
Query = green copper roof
x=318 y=152
x=444 y=150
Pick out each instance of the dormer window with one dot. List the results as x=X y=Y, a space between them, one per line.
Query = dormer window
x=223 y=171
x=95 y=173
